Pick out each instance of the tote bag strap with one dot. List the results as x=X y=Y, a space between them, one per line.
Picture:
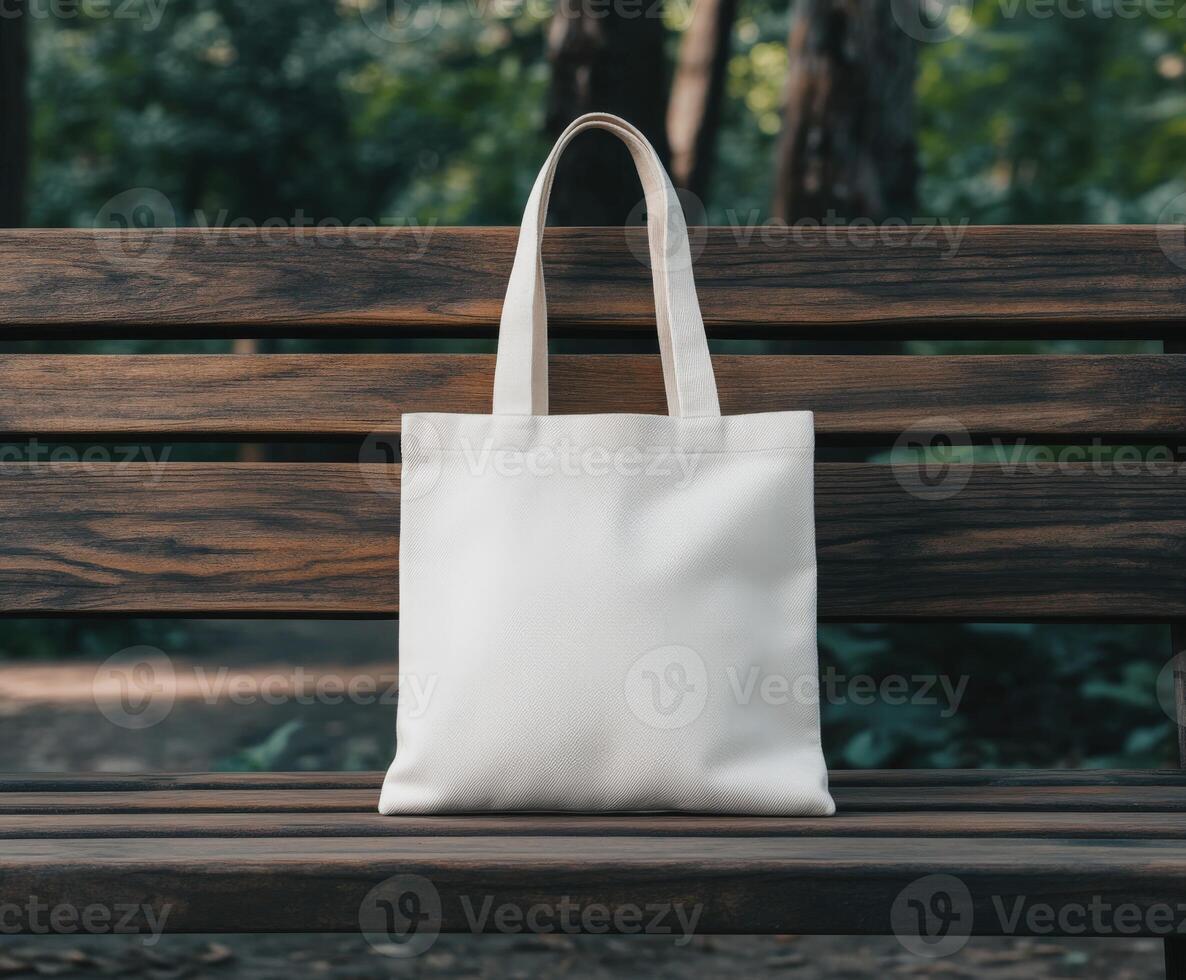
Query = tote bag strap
x=521 y=372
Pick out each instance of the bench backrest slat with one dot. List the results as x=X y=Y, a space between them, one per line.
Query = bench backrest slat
x=289 y=539
x=991 y=281
x=344 y=396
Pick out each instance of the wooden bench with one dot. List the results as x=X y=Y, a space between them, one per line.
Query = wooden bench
x=298 y=852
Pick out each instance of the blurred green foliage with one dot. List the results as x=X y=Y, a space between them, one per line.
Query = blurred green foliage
x=247 y=110
x=1052 y=119
x=1050 y=695
x=244 y=111
x=238 y=110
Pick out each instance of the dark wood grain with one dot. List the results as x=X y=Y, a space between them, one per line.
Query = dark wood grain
x=895 y=779
x=1019 y=798
x=745 y=885
x=350 y=396
x=289 y=539
x=207 y=537
x=1090 y=824
x=849 y=799
x=999 y=281
x=1079 y=544
x=280 y=852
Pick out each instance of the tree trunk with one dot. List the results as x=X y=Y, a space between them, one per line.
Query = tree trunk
x=847 y=145
x=250 y=452
x=604 y=58
x=694 y=112
x=14 y=113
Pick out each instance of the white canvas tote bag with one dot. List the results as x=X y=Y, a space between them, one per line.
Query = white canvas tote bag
x=607 y=612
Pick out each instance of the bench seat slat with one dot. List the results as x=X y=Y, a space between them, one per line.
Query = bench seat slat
x=317 y=396
x=865 y=799
x=889 y=778
x=998 y=281
x=744 y=885
x=320 y=539
x=1095 y=824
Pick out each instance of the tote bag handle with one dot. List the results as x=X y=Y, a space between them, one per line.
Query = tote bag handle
x=521 y=372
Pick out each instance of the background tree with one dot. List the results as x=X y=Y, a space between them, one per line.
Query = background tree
x=848 y=140
x=14 y=114
x=694 y=111
x=610 y=58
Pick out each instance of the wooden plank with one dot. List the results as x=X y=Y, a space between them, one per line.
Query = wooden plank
x=887 y=778
x=108 y=538
x=349 y=396
x=1020 y=798
x=849 y=799
x=1073 y=544
x=194 y=801
x=1094 y=824
x=995 y=281
x=288 y=539
x=738 y=885
x=901 y=778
